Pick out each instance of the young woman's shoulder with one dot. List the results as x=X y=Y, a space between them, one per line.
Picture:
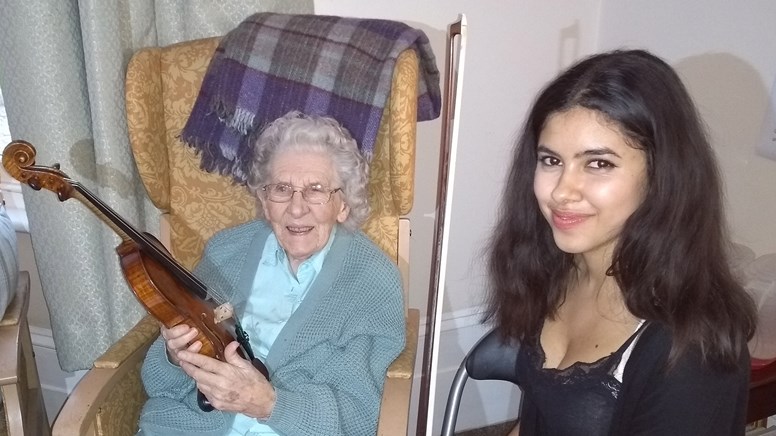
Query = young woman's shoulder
x=688 y=396
x=654 y=346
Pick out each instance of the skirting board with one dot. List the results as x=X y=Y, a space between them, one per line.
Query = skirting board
x=483 y=403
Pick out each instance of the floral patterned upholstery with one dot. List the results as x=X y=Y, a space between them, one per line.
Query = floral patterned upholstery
x=161 y=87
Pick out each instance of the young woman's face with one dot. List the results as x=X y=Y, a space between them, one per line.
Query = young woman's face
x=588 y=180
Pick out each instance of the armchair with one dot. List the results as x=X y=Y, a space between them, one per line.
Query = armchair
x=22 y=400
x=161 y=87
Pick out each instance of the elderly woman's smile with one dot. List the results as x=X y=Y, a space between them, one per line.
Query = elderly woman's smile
x=302 y=226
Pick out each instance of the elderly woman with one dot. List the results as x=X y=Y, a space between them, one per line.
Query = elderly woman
x=322 y=304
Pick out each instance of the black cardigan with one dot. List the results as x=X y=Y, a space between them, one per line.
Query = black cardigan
x=690 y=399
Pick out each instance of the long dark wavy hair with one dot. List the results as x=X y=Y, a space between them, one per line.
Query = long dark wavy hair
x=671 y=259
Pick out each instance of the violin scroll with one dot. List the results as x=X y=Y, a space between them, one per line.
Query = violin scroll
x=19 y=162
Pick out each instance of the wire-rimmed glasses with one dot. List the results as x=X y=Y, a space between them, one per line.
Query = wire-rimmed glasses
x=312 y=194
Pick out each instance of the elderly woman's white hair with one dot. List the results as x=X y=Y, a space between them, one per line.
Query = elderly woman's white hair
x=299 y=132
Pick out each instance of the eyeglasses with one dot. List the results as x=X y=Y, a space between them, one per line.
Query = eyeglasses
x=283 y=193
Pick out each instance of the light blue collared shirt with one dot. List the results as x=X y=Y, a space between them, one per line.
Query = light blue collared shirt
x=276 y=294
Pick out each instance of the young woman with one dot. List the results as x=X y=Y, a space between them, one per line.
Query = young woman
x=609 y=261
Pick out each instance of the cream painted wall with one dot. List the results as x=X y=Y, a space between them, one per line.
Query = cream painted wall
x=725 y=53
x=512 y=49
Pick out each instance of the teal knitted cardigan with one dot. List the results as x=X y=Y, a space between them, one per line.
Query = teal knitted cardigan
x=329 y=362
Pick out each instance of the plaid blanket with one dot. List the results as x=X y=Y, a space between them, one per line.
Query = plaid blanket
x=272 y=63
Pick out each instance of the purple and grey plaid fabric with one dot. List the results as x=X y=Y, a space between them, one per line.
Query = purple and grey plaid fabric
x=271 y=64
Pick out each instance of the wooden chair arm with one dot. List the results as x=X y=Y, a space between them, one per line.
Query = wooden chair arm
x=10 y=327
x=108 y=399
x=404 y=365
x=395 y=405
x=141 y=335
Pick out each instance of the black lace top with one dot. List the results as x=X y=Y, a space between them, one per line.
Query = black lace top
x=578 y=400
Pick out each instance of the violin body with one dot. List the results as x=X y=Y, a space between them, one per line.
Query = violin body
x=169 y=292
x=165 y=298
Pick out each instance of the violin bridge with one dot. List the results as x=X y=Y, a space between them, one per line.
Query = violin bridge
x=223 y=312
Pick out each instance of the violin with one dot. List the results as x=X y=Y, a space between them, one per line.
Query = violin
x=167 y=291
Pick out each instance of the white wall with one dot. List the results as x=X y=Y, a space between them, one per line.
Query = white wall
x=726 y=53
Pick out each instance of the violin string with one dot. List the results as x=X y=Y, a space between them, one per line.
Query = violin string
x=217 y=295
x=128 y=232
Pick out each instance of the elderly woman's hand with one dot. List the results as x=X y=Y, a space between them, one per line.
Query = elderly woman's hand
x=179 y=338
x=232 y=386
